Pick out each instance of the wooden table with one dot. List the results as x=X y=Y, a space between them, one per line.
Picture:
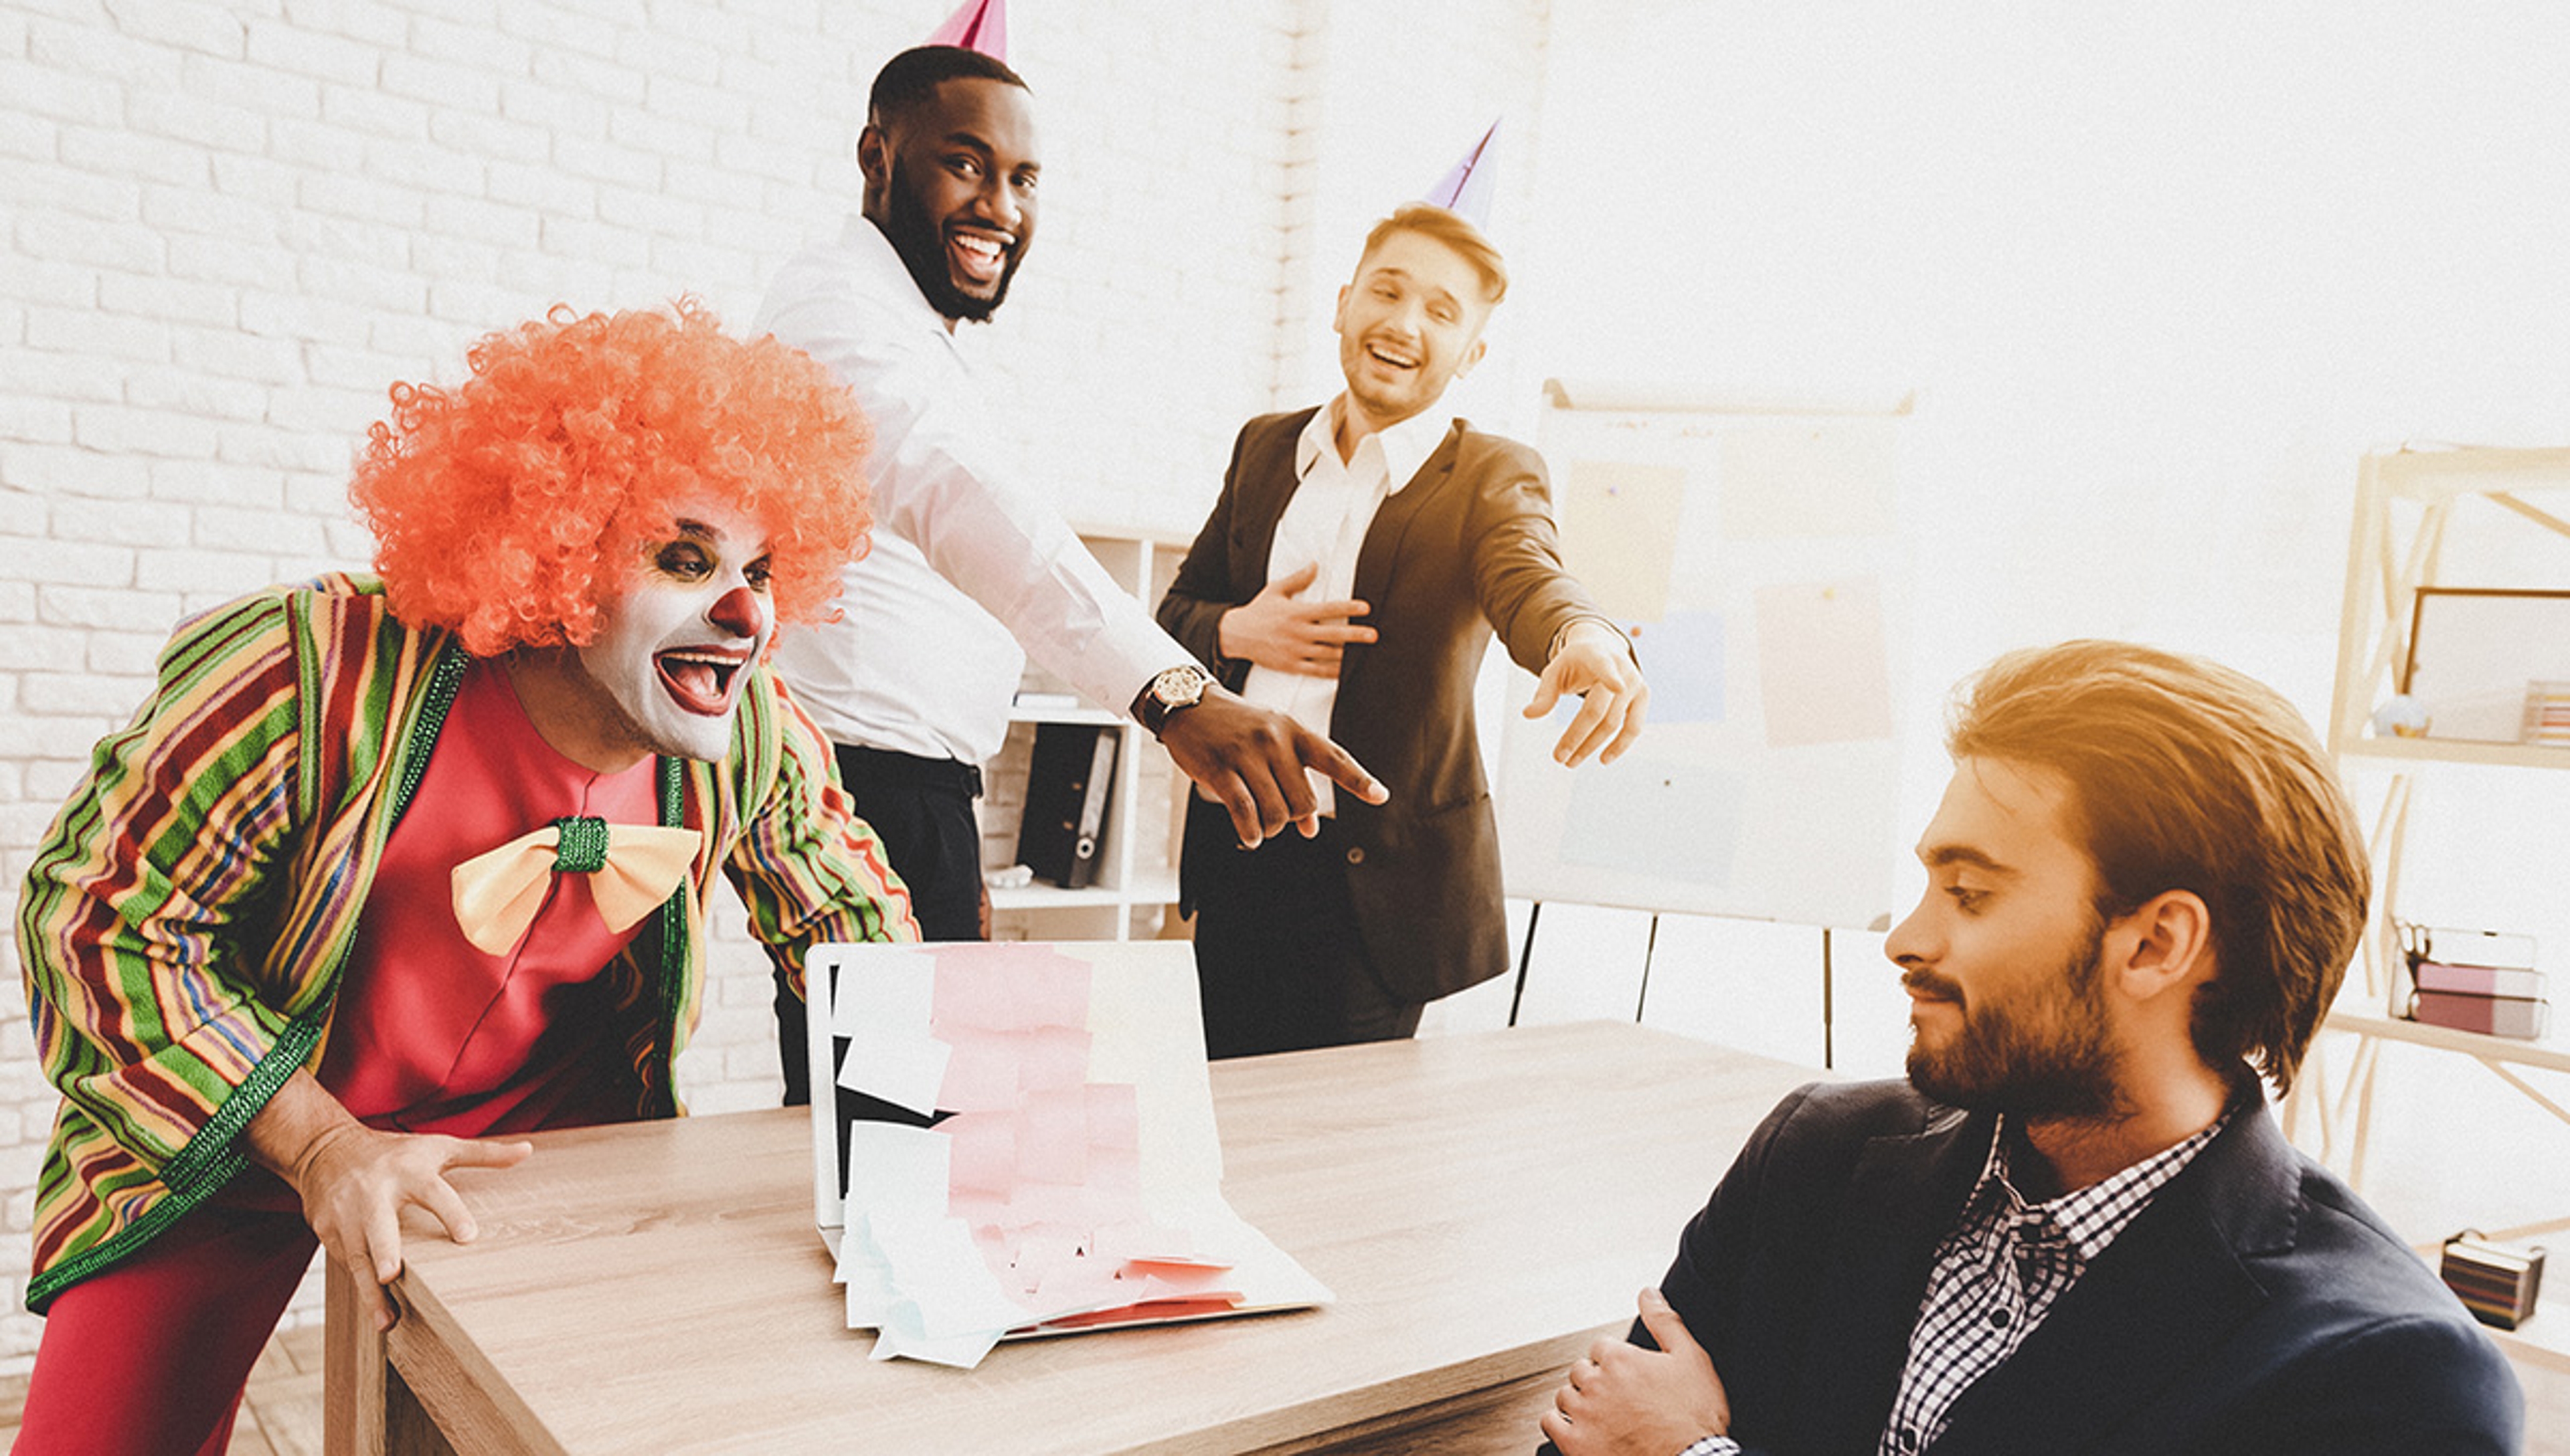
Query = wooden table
x=1482 y=1206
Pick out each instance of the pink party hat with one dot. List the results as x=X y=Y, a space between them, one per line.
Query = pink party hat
x=1466 y=191
x=976 y=25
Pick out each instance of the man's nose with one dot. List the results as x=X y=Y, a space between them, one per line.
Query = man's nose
x=739 y=612
x=1908 y=945
x=998 y=204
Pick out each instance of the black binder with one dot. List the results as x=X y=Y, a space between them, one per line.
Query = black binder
x=1070 y=780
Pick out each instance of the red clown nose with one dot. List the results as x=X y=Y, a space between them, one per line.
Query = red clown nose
x=737 y=612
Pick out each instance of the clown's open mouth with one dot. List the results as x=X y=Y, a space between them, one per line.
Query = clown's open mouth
x=701 y=679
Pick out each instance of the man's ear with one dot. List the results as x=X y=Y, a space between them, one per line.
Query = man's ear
x=1471 y=356
x=2166 y=943
x=874 y=159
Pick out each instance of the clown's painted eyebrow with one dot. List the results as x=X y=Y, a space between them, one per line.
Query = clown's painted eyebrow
x=697 y=533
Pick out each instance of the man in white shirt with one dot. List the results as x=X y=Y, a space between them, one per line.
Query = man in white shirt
x=1355 y=567
x=2075 y=1227
x=968 y=562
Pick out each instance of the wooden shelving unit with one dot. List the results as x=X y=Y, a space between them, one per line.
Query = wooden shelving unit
x=1137 y=878
x=2408 y=502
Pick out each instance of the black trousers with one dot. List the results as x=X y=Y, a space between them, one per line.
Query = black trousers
x=922 y=810
x=1280 y=965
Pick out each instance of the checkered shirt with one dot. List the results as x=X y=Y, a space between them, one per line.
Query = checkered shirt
x=2000 y=1272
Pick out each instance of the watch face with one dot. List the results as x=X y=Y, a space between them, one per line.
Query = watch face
x=1178 y=686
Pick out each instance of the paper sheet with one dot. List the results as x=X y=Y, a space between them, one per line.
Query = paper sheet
x=1682 y=659
x=1655 y=815
x=1619 y=532
x=906 y=1071
x=1822 y=663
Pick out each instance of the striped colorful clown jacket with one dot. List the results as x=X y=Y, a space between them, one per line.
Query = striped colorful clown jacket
x=185 y=920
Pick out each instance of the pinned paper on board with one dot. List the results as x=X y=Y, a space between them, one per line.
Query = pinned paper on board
x=1681 y=657
x=1807 y=480
x=1619 y=532
x=1664 y=816
x=1069 y=1174
x=1823 y=666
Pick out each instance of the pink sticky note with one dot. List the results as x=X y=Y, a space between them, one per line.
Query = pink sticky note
x=1044 y=1245
x=983 y=1156
x=1165 y=1282
x=980 y=1211
x=1150 y=1313
x=970 y=997
x=1052 y=1137
x=1047 y=1205
x=981 y=1071
x=1010 y=986
x=1080 y=1284
x=1051 y=1057
x=1178 y=1278
x=1055 y=995
x=1114 y=1115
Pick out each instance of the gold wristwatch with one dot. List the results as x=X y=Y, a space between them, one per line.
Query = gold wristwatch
x=1167 y=693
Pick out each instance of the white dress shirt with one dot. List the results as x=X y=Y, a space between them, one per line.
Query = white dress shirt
x=1325 y=520
x=921 y=662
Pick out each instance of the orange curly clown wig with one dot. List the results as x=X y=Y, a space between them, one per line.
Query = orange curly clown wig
x=507 y=509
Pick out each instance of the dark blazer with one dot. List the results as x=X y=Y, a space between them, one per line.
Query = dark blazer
x=2256 y=1307
x=1465 y=547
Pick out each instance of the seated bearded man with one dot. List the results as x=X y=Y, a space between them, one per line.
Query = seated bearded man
x=386 y=872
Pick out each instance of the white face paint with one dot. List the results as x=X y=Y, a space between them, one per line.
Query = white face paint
x=673 y=652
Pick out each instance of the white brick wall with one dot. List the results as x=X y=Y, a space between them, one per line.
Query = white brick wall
x=229 y=227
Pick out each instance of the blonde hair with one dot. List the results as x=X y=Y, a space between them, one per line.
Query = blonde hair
x=1432 y=222
x=2186 y=774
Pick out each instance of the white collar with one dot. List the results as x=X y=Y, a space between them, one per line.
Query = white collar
x=1405 y=446
x=892 y=278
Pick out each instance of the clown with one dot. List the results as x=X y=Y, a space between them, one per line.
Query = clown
x=389 y=871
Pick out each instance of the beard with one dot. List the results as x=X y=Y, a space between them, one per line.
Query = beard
x=2042 y=1054
x=922 y=246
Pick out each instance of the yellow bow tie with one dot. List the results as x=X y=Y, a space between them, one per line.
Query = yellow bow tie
x=497 y=892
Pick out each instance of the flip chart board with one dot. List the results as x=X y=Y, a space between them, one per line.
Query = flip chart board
x=1752 y=550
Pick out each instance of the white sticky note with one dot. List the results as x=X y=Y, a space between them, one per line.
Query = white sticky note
x=893 y=1167
x=904 y=1070
x=891 y=997
x=937 y=1269
x=899 y=1340
x=870 y=1295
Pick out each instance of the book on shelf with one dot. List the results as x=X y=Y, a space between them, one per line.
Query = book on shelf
x=2447 y=947
x=2521 y=981
x=1069 y=777
x=2547 y=712
x=2498 y=1282
x=2519 y=1017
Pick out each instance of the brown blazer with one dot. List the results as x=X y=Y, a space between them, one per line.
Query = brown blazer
x=1465 y=548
